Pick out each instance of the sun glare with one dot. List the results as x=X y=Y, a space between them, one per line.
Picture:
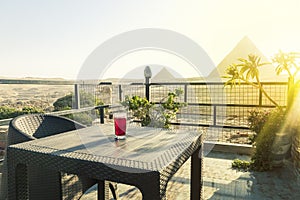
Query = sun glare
x=293 y=119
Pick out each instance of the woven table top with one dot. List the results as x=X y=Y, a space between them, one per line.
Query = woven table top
x=144 y=149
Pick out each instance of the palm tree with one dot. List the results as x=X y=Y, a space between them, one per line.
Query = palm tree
x=247 y=70
x=288 y=62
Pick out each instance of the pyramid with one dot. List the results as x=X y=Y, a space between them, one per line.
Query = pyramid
x=242 y=50
x=163 y=75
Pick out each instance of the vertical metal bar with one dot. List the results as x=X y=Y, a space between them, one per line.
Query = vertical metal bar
x=101 y=110
x=290 y=91
x=147 y=88
x=76 y=96
x=215 y=115
x=120 y=92
x=147 y=75
x=185 y=93
x=260 y=97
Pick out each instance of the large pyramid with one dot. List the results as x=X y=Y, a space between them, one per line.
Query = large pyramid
x=163 y=75
x=242 y=50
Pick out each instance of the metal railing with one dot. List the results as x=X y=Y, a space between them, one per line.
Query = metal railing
x=209 y=104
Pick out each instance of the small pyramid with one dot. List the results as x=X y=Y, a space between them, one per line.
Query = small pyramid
x=163 y=75
x=242 y=50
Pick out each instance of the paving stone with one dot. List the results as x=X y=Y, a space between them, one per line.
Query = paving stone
x=220 y=181
x=223 y=182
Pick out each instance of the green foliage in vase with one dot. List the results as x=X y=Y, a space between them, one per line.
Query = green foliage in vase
x=155 y=115
x=139 y=107
x=171 y=106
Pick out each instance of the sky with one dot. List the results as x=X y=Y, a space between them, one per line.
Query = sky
x=54 y=38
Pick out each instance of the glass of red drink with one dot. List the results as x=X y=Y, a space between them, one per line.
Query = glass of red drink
x=120 y=125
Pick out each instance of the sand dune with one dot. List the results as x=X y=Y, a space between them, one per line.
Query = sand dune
x=19 y=95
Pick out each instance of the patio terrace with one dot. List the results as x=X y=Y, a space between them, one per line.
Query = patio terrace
x=220 y=181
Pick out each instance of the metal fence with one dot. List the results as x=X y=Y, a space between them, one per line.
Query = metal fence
x=221 y=112
x=210 y=105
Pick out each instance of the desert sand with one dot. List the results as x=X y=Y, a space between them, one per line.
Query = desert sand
x=43 y=96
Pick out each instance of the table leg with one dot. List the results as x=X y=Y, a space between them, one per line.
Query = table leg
x=196 y=171
x=101 y=190
x=17 y=182
x=151 y=190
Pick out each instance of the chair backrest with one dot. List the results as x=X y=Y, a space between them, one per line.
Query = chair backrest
x=33 y=126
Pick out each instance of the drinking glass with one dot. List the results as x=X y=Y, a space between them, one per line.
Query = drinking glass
x=120 y=125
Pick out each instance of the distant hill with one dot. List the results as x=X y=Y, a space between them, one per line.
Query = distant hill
x=242 y=50
x=33 y=78
x=45 y=81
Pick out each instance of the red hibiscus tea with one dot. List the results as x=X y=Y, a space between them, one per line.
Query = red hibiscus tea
x=120 y=125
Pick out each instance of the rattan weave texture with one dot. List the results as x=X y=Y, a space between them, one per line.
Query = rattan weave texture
x=50 y=184
x=147 y=162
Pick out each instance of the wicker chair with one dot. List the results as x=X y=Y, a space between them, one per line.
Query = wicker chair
x=58 y=185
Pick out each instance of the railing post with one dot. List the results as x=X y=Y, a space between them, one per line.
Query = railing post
x=260 y=97
x=185 y=93
x=147 y=75
x=291 y=90
x=101 y=115
x=120 y=93
x=215 y=115
x=76 y=96
x=147 y=88
x=101 y=112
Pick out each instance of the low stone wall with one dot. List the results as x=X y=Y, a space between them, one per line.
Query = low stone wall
x=243 y=149
x=295 y=152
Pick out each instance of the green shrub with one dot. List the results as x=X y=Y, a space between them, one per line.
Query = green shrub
x=267 y=124
x=139 y=107
x=31 y=109
x=7 y=112
x=257 y=119
x=262 y=159
x=154 y=115
x=86 y=100
x=66 y=102
x=241 y=164
x=63 y=103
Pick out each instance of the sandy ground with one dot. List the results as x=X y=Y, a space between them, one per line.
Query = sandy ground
x=19 y=95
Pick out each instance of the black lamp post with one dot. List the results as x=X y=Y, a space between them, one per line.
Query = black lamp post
x=147 y=74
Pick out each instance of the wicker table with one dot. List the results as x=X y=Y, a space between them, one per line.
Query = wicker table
x=147 y=159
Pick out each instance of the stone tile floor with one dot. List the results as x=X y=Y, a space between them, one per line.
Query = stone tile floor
x=223 y=182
